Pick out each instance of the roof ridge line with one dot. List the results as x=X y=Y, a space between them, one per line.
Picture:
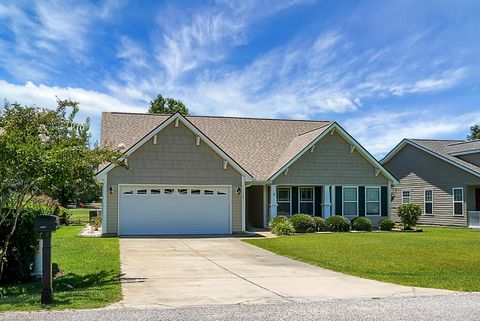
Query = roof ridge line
x=312 y=130
x=465 y=142
x=229 y=117
x=435 y=140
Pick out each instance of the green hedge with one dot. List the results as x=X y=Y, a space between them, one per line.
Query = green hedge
x=21 y=252
x=303 y=223
x=337 y=223
x=361 y=224
x=386 y=224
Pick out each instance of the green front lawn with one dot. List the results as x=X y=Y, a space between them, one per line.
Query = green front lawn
x=91 y=278
x=443 y=258
x=80 y=214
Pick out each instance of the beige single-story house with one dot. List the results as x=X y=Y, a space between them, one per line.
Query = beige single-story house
x=442 y=176
x=218 y=175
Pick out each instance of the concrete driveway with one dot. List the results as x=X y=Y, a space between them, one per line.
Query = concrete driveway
x=203 y=271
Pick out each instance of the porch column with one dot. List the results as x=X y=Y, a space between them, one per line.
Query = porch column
x=244 y=205
x=327 y=202
x=104 y=205
x=265 y=205
x=273 y=201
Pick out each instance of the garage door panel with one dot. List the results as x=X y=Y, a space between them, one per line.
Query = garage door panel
x=157 y=212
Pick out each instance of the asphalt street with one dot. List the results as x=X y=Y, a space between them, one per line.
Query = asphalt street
x=446 y=307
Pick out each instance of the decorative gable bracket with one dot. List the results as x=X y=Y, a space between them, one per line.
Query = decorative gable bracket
x=377 y=171
x=352 y=149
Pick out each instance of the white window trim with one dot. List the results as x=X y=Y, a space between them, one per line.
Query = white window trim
x=425 y=202
x=453 y=201
x=379 y=201
x=312 y=201
x=410 y=196
x=284 y=202
x=343 y=199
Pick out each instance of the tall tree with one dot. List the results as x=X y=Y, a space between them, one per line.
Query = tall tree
x=41 y=151
x=474 y=132
x=162 y=105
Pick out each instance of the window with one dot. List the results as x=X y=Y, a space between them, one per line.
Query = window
x=283 y=201
x=182 y=191
x=428 y=201
x=306 y=200
x=195 y=192
x=208 y=192
x=128 y=192
x=406 y=197
x=350 y=201
x=141 y=191
x=168 y=191
x=155 y=191
x=458 y=201
x=372 y=200
x=221 y=193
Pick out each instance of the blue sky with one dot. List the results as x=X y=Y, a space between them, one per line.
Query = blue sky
x=384 y=70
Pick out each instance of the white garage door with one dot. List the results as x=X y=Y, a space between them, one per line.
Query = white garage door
x=157 y=210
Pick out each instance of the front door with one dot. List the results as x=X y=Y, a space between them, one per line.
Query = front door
x=477 y=199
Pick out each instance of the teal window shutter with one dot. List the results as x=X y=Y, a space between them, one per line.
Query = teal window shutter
x=318 y=201
x=361 y=201
x=294 y=200
x=384 y=199
x=338 y=200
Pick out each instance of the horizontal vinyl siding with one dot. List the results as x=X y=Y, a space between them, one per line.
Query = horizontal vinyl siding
x=176 y=160
x=331 y=163
x=418 y=170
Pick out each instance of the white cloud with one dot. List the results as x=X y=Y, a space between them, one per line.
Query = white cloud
x=47 y=30
x=92 y=103
x=380 y=132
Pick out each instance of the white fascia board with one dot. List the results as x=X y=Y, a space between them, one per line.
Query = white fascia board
x=406 y=141
x=191 y=127
x=334 y=127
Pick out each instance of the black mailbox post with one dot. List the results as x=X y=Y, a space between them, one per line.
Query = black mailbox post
x=46 y=224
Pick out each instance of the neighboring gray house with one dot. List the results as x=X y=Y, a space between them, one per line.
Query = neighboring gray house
x=442 y=176
x=216 y=175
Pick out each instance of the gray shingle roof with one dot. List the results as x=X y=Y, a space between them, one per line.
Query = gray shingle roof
x=260 y=146
x=444 y=148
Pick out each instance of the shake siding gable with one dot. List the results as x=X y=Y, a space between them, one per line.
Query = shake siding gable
x=331 y=163
x=176 y=160
x=418 y=170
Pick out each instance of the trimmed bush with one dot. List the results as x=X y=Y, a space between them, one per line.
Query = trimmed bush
x=275 y=221
x=409 y=215
x=21 y=252
x=361 y=224
x=386 y=224
x=320 y=224
x=284 y=228
x=303 y=223
x=337 y=224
